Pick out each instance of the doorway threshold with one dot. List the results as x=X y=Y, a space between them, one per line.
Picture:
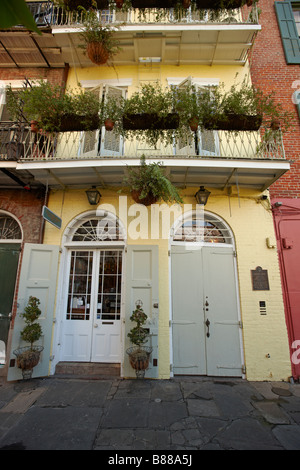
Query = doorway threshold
x=87 y=369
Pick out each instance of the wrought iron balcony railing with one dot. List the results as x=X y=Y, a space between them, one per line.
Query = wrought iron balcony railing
x=20 y=143
x=46 y=13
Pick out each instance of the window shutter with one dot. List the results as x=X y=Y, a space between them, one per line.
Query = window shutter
x=288 y=31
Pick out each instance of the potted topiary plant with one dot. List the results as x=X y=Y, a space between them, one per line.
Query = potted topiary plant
x=98 y=39
x=148 y=184
x=28 y=357
x=139 y=355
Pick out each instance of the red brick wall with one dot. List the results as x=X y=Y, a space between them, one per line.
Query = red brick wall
x=53 y=75
x=26 y=206
x=269 y=72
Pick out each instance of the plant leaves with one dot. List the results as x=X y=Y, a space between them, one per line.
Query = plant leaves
x=15 y=12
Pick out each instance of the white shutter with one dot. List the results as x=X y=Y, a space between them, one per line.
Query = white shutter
x=2 y=96
x=142 y=285
x=208 y=140
x=185 y=146
x=111 y=142
x=90 y=140
x=38 y=279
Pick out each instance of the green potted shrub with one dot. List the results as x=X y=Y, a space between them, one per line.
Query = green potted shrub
x=148 y=184
x=139 y=355
x=98 y=39
x=149 y=112
x=53 y=109
x=242 y=107
x=28 y=357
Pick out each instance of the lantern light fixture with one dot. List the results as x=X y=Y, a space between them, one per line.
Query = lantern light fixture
x=93 y=196
x=202 y=195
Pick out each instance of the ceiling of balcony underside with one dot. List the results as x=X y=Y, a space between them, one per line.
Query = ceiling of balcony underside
x=214 y=173
x=173 y=45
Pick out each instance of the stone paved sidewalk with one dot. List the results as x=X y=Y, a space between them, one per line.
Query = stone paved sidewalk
x=181 y=414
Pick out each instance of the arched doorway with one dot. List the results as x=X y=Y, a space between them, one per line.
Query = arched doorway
x=10 y=245
x=206 y=326
x=92 y=292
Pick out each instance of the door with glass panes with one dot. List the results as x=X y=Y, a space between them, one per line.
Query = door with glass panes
x=91 y=327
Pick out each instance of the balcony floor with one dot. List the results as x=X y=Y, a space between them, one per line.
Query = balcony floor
x=183 y=172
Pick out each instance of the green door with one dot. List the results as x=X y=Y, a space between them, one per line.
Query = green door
x=9 y=259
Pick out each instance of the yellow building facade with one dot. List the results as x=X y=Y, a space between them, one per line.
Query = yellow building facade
x=214 y=302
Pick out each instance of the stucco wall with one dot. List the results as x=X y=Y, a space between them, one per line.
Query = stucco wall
x=265 y=342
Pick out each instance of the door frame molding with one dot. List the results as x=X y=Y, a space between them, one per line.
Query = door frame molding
x=63 y=273
x=196 y=245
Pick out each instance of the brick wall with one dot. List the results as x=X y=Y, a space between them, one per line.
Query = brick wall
x=52 y=75
x=269 y=72
x=27 y=207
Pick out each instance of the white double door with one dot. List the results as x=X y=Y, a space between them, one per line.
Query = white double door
x=205 y=324
x=91 y=326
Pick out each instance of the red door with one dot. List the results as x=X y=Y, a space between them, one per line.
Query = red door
x=287 y=223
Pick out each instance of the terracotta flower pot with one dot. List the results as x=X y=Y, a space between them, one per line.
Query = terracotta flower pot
x=34 y=126
x=193 y=123
x=97 y=53
x=109 y=124
x=275 y=125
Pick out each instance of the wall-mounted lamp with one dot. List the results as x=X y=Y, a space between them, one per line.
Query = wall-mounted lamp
x=93 y=195
x=202 y=195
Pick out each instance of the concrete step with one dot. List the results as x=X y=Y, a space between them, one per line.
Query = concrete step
x=87 y=369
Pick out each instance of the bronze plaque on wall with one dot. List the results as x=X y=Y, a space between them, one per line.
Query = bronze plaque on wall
x=260 y=279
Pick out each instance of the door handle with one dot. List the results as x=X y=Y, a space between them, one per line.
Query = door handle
x=207 y=323
x=96 y=325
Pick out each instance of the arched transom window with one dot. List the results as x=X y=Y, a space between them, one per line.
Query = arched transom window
x=207 y=228
x=98 y=229
x=9 y=229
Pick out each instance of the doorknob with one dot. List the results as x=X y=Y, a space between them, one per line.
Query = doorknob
x=96 y=325
x=207 y=323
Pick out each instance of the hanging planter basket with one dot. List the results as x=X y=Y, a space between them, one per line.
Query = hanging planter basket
x=139 y=358
x=234 y=122
x=97 y=53
x=146 y=201
x=27 y=359
x=144 y=121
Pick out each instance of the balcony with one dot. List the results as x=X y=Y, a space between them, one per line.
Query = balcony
x=192 y=39
x=76 y=159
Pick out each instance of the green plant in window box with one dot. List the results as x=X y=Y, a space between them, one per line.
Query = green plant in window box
x=149 y=114
x=242 y=107
x=53 y=109
x=148 y=184
x=28 y=357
